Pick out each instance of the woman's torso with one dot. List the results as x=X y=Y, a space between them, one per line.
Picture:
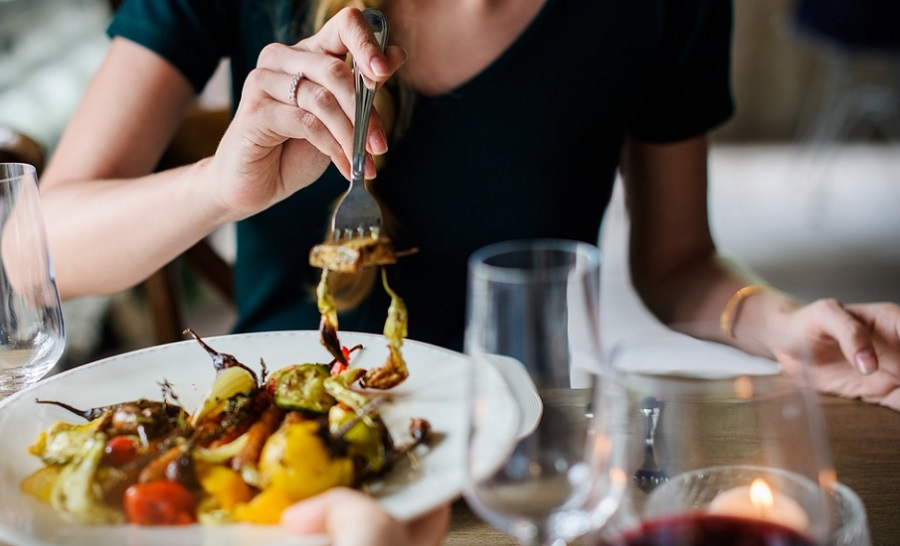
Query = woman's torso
x=524 y=144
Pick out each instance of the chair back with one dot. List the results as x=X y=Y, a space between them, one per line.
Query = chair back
x=18 y=147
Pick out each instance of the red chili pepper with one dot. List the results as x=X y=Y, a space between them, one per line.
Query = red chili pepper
x=161 y=502
x=338 y=365
x=119 y=450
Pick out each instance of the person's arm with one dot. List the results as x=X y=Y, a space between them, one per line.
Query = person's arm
x=683 y=280
x=111 y=223
x=673 y=259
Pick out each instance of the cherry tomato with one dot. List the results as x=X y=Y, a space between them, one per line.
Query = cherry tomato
x=161 y=502
x=119 y=450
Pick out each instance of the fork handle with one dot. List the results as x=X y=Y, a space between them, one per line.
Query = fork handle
x=365 y=97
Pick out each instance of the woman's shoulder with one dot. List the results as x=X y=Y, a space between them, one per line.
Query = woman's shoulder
x=195 y=35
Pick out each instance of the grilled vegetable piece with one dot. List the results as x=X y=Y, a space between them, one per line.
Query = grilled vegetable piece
x=394 y=370
x=300 y=461
x=221 y=361
x=74 y=493
x=161 y=502
x=246 y=461
x=368 y=441
x=226 y=487
x=63 y=442
x=328 y=324
x=301 y=387
x=229 y=383
x=120 y=450
x=351 y=255
x=148 y=419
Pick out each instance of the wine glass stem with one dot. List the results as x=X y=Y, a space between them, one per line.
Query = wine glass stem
x=537 y=536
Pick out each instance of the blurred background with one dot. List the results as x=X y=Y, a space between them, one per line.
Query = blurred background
x=805 y=178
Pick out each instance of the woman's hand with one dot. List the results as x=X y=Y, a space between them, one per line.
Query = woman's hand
x=282 y=140
x=854 y=350
x=350 y=518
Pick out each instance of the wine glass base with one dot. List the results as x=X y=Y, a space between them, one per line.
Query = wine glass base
x=12 y=381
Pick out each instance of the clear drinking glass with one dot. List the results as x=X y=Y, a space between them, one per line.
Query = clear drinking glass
x=532 y=335
x=714 y=459
x=32 y=332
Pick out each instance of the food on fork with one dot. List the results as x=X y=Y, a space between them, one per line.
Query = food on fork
x=253 y=446
x=351 y=255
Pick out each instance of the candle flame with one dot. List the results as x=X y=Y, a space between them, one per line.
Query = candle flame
x=761 y=495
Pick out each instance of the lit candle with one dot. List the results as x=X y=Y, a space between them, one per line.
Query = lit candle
x=758 y=501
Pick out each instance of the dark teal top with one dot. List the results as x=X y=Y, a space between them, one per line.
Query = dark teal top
x=527 y=148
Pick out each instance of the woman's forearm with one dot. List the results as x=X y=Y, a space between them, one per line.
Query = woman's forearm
x=675 y=267
x=717 y=300
x=108 y=235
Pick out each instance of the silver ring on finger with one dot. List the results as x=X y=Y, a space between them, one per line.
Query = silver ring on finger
x=292 y=91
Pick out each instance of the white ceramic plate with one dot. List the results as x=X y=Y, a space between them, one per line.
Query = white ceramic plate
x=435 y=390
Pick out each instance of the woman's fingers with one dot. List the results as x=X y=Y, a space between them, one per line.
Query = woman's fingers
x=322 y=86
x=330 y=72
x=327 y=514
x=431 y=528
x=298 y=105
x=349 y=32
x=853 y=336
x=315 y=115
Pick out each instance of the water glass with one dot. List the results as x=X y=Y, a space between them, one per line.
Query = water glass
x=32 y=331
x=532 y=330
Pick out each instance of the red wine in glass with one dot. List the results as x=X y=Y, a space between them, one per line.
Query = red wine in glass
x=710 y=530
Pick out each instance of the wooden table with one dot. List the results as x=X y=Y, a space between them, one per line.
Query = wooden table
x=865 y=444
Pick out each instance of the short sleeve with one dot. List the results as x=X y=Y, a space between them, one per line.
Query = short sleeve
x=690 y=93
x=190 y=34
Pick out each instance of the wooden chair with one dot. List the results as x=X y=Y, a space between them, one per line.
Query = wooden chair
x=197 y=138
x=18 y=147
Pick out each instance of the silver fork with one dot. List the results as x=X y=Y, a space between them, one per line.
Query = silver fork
x=649 y=475
x=358 y=213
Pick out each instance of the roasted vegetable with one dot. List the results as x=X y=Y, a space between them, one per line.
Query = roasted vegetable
x=328 y=324
x=366 y=441
x=394 y=370
x=147 y=419
x=245 y=454
x=63 y=442
x=228 y=384
x=298 y=461
x=351 y=255
x=301 y=387
x=161 y=502
x=75 y=494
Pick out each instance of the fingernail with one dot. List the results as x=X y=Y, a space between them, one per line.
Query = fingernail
x=371 y=172
x=380 y=67
x=378 y=142
x=866 y=361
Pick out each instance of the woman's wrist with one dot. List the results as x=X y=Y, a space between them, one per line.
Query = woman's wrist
x=756 y=317
x=214 y=209
x=732 y=308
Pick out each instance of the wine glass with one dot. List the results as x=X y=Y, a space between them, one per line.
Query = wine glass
x=32 y=331
x=538 y=450
x=733 y=456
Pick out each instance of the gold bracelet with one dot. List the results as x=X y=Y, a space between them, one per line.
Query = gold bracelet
x=729 y=312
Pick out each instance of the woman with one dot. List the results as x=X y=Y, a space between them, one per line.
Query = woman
x=510 y=120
